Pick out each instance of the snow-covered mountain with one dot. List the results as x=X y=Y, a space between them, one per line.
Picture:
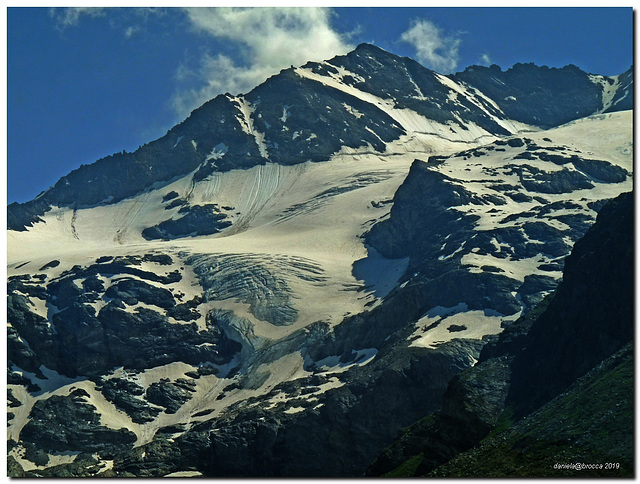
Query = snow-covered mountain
x=299 y=270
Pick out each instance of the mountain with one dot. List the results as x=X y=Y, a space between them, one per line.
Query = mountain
x=290 y=276
x=541 y=390
x=376 y=94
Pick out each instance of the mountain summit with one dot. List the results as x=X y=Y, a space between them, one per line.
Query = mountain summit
x=300 y=270
x=368 y=97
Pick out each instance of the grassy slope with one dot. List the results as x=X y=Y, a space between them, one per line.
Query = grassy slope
x=591 y=423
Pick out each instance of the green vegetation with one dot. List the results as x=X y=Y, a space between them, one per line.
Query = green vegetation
x=407 y=468
x=591 y=423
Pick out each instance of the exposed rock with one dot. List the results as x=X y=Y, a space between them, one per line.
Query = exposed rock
x=50 y=265
x=251 y=441
x=170 y=395
x=62 y=423
x=123 y=394
x=538 y=361
x=535 y=95
x=563 y=181
x=566 y=430
x=534 y=289
x=170 y=196
x=195 y=220
x=131 y=291
x=593 y=304
x=471 y=406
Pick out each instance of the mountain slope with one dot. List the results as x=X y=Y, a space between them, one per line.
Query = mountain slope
x=565 y=437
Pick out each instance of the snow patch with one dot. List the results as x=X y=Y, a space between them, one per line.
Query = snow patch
x=441 y=324
x=353 y=111
x=285 y=114
x=217 y=152
x=609 y=89
x=245 y=118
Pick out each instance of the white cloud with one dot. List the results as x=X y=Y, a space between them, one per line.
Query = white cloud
x=269 y=39
x=433 y=48
x=485 y=59
x=132 y=29
x=215 y=75
x=70 y=16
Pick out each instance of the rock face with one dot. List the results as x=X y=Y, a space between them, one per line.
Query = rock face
x=546 y=443
x=102 y=321
x=170 y=395
x=441 y=225
x=535 y=370
x=68 y=423
x=598 y=278
x=251 y=441
x=125 y=394
x=195 y=220
x=540 y=96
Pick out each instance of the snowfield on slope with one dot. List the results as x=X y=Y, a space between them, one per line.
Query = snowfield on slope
x=314 y=215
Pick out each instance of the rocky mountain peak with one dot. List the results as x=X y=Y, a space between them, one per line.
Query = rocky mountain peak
x=271 y=123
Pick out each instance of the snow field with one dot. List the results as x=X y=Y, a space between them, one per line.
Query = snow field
x=476 y=324
x=308 y=211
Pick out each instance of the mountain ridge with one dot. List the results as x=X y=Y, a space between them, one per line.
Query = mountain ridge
x=139 y=170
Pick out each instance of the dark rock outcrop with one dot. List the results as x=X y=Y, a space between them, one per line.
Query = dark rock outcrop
x=342 y=427
x=78 y=340
x=194 y=220
x=125 y=394
x=590 y=315
x=564 y=432
x=62 y=423
x=170 y=395
x=540 y=96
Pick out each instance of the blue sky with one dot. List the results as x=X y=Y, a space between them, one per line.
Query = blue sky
x=85 y=83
